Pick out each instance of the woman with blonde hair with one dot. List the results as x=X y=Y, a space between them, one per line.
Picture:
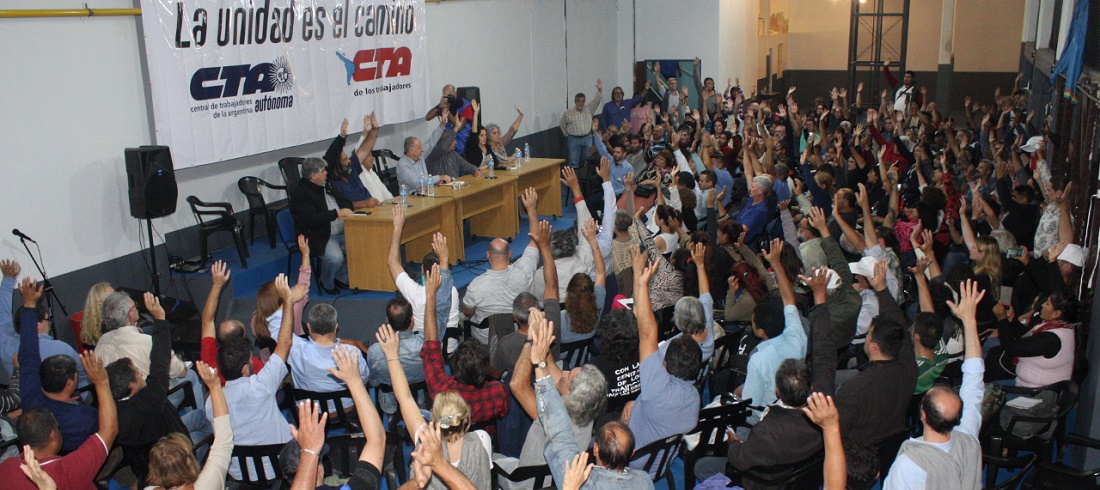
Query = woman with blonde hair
x=268 y=317
x=172 y=463
x=467 y=451
x=91 y=321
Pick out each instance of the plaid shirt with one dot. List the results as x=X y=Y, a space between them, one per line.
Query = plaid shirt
x=488 y=402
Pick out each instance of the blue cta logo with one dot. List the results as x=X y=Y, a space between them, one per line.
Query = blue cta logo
x=230 y=81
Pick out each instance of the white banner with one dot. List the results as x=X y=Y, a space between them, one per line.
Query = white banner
x=232 y=78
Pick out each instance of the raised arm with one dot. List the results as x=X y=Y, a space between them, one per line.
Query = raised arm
x=391 y=347
x=530 y=200
x=286 y=331
x=347 y=370
x=310 y=435
x=507 y=138
x=643 y=309
x=370 y=136
x=822 y=411
x=589 y=231
x=428 y=460
x=971 y=390
x=923 y=292
x=108 y=418
x=786 y=289
x=431 y=290
x=219 y=273
x=393 y=259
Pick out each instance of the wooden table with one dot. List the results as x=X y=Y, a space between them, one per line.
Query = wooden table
x=544 y=174
x=489 y=204
x=368 y=238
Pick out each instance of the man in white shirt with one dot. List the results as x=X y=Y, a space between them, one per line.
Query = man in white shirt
x=446 y=307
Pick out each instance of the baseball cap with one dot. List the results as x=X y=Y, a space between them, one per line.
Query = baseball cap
x=1073 y=254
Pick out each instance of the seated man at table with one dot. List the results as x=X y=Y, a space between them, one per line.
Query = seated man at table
x=317 y=207
x=493 y=292
x=344 y=171
x=411 y=166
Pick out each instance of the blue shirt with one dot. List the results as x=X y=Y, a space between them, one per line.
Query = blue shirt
x=309 y=363
x=707 y=346
x=724 y=181
x=75 y=420
x=782 y=190
x=754 y=216
x=255 y=412
x=353 y=188
x=666 y=406
x=9 y=339
x=462 y=134
x=618 y=169
x=765 y=361
x=409 y=353
x=614 y=114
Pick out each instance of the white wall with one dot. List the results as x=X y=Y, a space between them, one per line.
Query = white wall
x=74 y=98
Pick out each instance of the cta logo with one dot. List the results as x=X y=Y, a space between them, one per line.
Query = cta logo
x=370 y=64
x=230 y=81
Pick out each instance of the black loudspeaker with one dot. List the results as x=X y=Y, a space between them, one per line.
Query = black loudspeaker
x=151 y=181
x=471 y=93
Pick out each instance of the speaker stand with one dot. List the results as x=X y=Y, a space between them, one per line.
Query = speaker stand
x=153 y=256
x=47 y=289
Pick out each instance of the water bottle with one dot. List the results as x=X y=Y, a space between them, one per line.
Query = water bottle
x=404 y=195
x=423 y=188
x=431 y=186
x=526 y=153
x=519 y=157
x=492 y=165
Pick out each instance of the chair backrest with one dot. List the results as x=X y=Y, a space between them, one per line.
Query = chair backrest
x=250 y=187
x=188 y=394
x=330 y=401
x=257 y=455
x=543 y=478
x=291 y=169
x=575 y=354
x=1022 y=464
x=287 y=232
x=658 y=455
x=416 y=388
x=804 y=474
x=386 y=173
x=713 y=423
x=210 y=210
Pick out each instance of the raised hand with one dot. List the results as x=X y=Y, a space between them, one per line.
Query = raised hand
x=878 y=282
x=152 y=304
x=388 y=340
x=344 y=128
x=208 y=374
x=599 y=84
x=530 y=199
x=367 y=125
x=432 y=279
x=398 y=217
x=589 y=229
x=283 y=287
x=569 y=178
x=439 y=245
x=541 y=236
x=9 y=268
x=93 y=368
x=699 y=254
x=520 y=111
x=347 y=365
x=818 y=281
x=475 y=105
x=604 y=170
x=542 y=335
x=821 y=410
x=44 y=481
x=922 y=265
x=31 y=291
x=219 y=273
x=577 y=471
x=310 y=432
x=775 y=252
x=969 y=297
x=818 y=220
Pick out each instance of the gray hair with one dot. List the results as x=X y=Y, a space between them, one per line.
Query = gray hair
x=116 y=311
x=587 y=395
x=521 y=306
x=490 y=127
x=763 y=181
x=563 y=243
x=689 y=315
x=322 y=319
x=622 y=221
x=409 y=142
x=312 y=165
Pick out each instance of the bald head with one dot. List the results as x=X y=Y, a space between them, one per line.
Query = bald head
x=230 y=328
x=614 y=445
x=941 y=410
x=448 y=89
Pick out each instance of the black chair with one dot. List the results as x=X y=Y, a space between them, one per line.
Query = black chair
x=257 y=206
x=658 y=456
x=1022 y=465
x=257 y=455
x=386 y=173
x=417 y=388
x=711 y=430
x=806 y=475
x=338 y=419
x=575 y=354
x=291 y=168
x=213 y=218
x=1058 y=475
x=393 y=463
x=188 y=395
x=997 y=440
x=543 y=479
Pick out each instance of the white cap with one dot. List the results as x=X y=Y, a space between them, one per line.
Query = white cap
x=1073 y=254
x=834 y=278
x=865 y=267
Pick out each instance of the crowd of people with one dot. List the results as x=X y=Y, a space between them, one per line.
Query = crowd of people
x=868 y=265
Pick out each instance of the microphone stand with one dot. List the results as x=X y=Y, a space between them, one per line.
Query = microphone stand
x=47 y=288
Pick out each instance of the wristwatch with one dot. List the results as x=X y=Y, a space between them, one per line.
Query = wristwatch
x=540 y=364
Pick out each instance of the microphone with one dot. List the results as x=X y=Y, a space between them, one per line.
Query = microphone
x=16 y=232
